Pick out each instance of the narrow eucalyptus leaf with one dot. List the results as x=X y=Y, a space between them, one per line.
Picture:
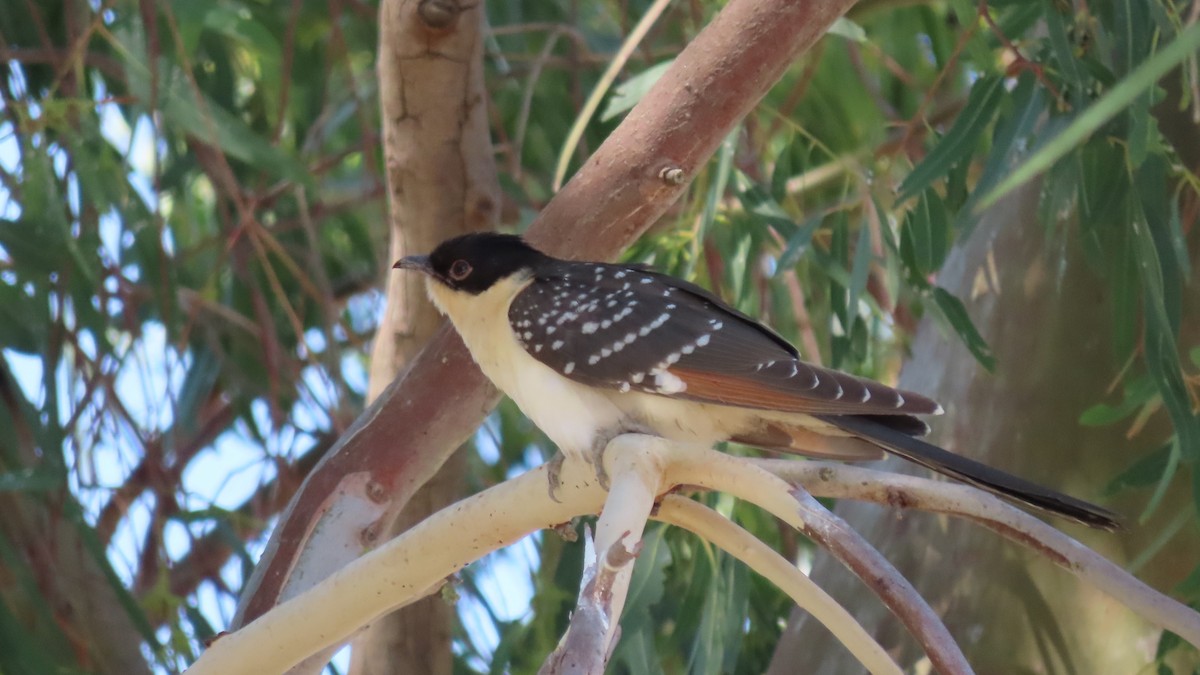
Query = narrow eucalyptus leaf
x=955 y=313
x=961 y=140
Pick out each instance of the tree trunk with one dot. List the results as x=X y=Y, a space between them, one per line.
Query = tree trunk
x=1047 y=317
x=441 y=182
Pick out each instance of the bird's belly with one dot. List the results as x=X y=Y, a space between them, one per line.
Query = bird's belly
x=681 y=420
x=570 y=414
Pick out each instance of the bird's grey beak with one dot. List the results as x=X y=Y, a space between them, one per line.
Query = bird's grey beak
x=419 y=263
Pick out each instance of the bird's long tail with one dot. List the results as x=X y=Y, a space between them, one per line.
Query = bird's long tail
x=999 y=483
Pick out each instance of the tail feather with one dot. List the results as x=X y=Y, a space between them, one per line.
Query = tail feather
x=999 y=483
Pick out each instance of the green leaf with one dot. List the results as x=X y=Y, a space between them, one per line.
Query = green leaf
x=1008 y=144
x=1137 y=393
x=1147 y=470
x=858 y=271
x=31 y=480
x=716 y=192
x=1189 y=588
x=1164 y=481
x=24 y=320
x=1162 y=357
x=629 y=92
x=962 y=139
x=202 y=117
x=790 y=162
x=797 y=244
x=757 y=202
x=1169 y=244
x=1108 y=106
x=925 y=237
x=953 y=311
x=1125 y=287
x=846 y=28
x=1064 y=54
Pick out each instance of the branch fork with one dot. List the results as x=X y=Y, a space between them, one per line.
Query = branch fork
x=644 y=471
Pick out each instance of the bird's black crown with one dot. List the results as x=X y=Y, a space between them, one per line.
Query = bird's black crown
x=474 y=262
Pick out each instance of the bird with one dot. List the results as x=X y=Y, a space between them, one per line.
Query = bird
x=592 y=350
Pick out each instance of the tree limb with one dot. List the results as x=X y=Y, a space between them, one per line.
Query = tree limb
x=416 y=563
x=441 y=180
x=722 y=533
x=736 y=476
x=842 y=481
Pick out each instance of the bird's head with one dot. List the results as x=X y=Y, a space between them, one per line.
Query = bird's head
x=473 y=263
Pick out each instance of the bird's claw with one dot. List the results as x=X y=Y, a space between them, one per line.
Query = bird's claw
x=596 y=458
x=554 y=475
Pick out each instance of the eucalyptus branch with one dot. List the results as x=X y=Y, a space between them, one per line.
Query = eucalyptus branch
x=743 y=479
x=643 y=468
x=586 y=647
x=636 y=468
x=711 y=526
x=417 y=563
x=405 y=569
x=825 y=479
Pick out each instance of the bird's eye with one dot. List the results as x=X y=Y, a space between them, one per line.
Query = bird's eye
x=459 y=270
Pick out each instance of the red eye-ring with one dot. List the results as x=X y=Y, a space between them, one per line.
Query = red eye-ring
x=459 y=270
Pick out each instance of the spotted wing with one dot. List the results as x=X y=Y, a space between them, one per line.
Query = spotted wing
x=630 y=329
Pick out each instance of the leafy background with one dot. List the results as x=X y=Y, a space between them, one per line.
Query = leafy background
x=192 y=239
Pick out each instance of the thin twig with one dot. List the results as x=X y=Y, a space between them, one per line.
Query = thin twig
x=602 y=86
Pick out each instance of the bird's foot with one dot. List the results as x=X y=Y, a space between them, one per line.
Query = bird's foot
x=554 y=475
x=596 y=458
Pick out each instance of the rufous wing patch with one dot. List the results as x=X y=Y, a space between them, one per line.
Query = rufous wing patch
x=795 y=439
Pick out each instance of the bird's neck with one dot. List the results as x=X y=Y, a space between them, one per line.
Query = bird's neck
x=479 y=318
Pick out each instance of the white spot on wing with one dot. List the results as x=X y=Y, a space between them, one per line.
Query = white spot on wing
x=590 y=327
x=569 y=368
x=667 y=383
